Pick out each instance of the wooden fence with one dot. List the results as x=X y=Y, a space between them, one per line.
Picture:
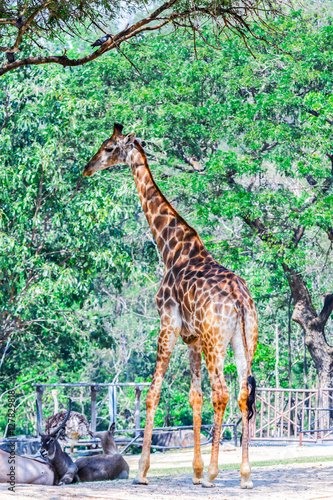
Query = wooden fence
x=94 y=389
x=304 y=415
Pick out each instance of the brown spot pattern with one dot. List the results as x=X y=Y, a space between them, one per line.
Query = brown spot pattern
x=198 y=299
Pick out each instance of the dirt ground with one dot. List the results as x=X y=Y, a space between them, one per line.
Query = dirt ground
x=283 y=481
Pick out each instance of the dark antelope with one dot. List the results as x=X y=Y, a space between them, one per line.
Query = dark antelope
x=76 y=427
x=65 y=468
x=110 y=465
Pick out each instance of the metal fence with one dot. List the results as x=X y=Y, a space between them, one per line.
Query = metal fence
x=304 y=415
x=138 y=437
x=29 y=447
x=285 y=415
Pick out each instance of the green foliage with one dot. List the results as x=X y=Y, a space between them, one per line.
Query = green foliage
x=229 y=138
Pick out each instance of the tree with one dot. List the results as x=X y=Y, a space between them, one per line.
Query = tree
x=55 y=238
x=275 y=114
x=204 y=122
x=34 y=23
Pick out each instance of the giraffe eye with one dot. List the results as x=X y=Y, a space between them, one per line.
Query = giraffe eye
x=109 y=150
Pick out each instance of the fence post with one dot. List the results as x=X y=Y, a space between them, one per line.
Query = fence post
x=93 y=391
x=235 y=434
x=39 y=389
x=112 y=393
x=138 y=391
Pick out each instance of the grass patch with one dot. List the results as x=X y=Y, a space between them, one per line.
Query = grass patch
x=299 y=460
x=264 y=463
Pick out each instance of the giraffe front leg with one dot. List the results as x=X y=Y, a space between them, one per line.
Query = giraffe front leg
x=220 y=400
x=166 y=342
x=245 y=469
x=195 y=351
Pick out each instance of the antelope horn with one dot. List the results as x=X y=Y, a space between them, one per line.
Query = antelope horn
x=53 y=433
x=39 y=416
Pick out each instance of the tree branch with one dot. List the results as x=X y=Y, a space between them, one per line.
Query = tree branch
x=326 y=311
x=317 y=114
x=235 y=16
x=107 y=46
x=298 y=233
x=27 y=24
x=9 y=20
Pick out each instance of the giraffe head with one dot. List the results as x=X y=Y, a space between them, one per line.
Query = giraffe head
x=111 y=152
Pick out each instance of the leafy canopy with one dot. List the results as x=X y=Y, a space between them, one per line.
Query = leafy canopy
x=229 y=140
x=27 y=28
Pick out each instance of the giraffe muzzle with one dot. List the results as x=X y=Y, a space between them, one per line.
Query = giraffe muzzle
x=87 y=171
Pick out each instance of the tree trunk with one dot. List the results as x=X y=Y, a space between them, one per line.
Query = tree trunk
x=322 y=355
x=305 y=367
x=289 y=341
x=304 y=312
x=314 y=326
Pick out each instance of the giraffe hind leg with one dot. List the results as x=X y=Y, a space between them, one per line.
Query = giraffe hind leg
x=220 y=400
x=245 y=401
x=245 y=469
x=196 y=404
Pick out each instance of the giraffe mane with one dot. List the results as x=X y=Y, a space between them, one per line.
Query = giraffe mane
x=179 y=217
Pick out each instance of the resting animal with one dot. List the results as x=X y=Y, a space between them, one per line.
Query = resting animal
x=57 y=468
x=65 y=468
x=110 y=465
x=27 y=470
x=76 y=426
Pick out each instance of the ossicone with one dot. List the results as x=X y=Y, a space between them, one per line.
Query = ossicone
x=118 y=127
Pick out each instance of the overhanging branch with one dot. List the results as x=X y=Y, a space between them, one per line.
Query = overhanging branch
x=235 y=16
x=113 y=42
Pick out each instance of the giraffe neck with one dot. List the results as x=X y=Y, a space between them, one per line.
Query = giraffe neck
x=174 y=237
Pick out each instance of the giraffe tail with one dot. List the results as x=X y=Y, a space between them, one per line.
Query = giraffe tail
x=251 y=399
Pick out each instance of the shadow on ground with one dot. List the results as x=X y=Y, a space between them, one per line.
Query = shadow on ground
x=304 y=481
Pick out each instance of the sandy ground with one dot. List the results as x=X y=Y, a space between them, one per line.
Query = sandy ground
x=231 y=455
x=305 y=481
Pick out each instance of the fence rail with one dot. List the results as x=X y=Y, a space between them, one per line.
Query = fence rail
x=179 y=428
x=291 y=415
x=136 y=440
x=304 y=415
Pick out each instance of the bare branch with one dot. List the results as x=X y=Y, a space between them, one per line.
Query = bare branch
x=317 y=114
x=134 y=66
x=9 y=20
x=298 y=233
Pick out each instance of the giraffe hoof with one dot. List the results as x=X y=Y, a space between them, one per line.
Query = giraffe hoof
x=140 y=480
x=207 y=484
x=197 y=480
x=246 y=484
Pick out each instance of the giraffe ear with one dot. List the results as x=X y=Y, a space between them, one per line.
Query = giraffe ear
x=129 y=139
x=141 y=142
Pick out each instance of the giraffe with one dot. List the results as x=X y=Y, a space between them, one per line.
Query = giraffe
x=198 y=299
